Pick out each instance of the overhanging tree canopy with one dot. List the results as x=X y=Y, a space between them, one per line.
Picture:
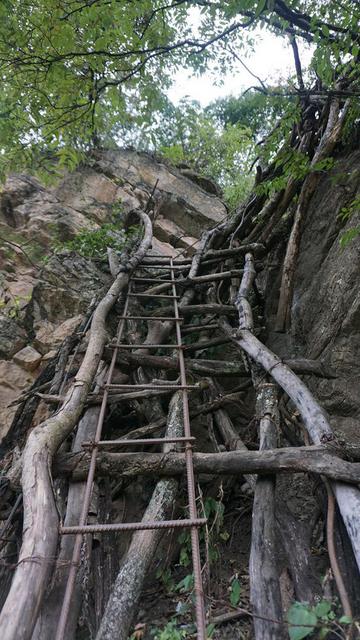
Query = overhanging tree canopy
x=74 y=71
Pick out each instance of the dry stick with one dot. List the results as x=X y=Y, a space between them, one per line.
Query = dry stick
x=265 y=595
x=330 y=138
x=40 y=529
x=332 y=552
x=126 y=592
x=215 y=254
x=228 y=433
x=314 y=418
x=191 y=309
x=208 y=407
x=314 y=459
x=211 y=277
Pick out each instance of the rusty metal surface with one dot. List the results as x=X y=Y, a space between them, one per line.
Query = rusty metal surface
x=75 y=560
x=157 y=280
x=151 y=318
x=124 y=443
x=164 y=387
x=145 y=345
x=134 y=526
x=195 y=544
x=193 y=522
x=152 y=295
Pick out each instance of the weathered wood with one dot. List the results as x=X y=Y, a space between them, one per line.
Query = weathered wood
x=200 y=309
x=126 y=592
x=228 y=432
x=312 y=459
x=200 y=366
x=255 y=248
x=295 y=538
x=40 y=529
x=313 y=416
x=263 y=567
x=50 y=612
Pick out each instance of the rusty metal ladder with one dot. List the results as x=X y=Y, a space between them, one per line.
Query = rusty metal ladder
x=193 y=522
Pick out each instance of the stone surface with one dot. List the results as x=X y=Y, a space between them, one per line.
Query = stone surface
x=326 y=309
x=12 y=337
x=13 y=380
x=177 y=197
x=170 y=232
x=49 y=336
x=28 y=358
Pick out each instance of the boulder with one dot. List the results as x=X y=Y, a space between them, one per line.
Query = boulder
x=177 y=198
x=170 y=232
x=49 y=336
x=204 y=182
x=28 y=358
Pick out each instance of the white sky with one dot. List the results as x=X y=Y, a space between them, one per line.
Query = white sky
x=271 y=60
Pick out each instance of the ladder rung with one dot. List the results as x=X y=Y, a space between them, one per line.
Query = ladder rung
x=167 y=267
x=159 y=281
x=164 y=387
x=150 y=318
x=124 y=443
x=147 y=346
x=198 y=327
x=152 y=295
x=134 y=526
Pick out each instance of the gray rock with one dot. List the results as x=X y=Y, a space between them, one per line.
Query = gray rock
x=12 y=337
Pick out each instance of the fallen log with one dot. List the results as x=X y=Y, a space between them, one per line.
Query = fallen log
x=316 y=459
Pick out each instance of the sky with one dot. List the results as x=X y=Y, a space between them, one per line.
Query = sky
x=271 y=60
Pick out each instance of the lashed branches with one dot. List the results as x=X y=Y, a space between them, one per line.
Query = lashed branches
x=314 y=418
x=314 y=459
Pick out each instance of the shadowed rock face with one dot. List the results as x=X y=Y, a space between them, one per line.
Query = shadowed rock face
x=39 y=308
x=326 y=304
x=327 y=295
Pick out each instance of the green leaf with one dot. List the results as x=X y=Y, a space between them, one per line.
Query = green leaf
x=260 y=8
x=323 y=608
x=302 y=621
x=210 y=630
x=345 y=620
x=235 y=592
x=325 y=30
x=349 y=235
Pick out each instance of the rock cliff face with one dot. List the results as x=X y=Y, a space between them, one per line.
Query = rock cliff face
x=326 y=303
x=43 y=296
x=41 y=303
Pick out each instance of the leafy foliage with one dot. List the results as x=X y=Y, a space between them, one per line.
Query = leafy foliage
x=78 y=74
x=192 y=136
x=93 y=243
x=253 y=110
x=345 y=214
x=235 y=592
x=304 y=620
